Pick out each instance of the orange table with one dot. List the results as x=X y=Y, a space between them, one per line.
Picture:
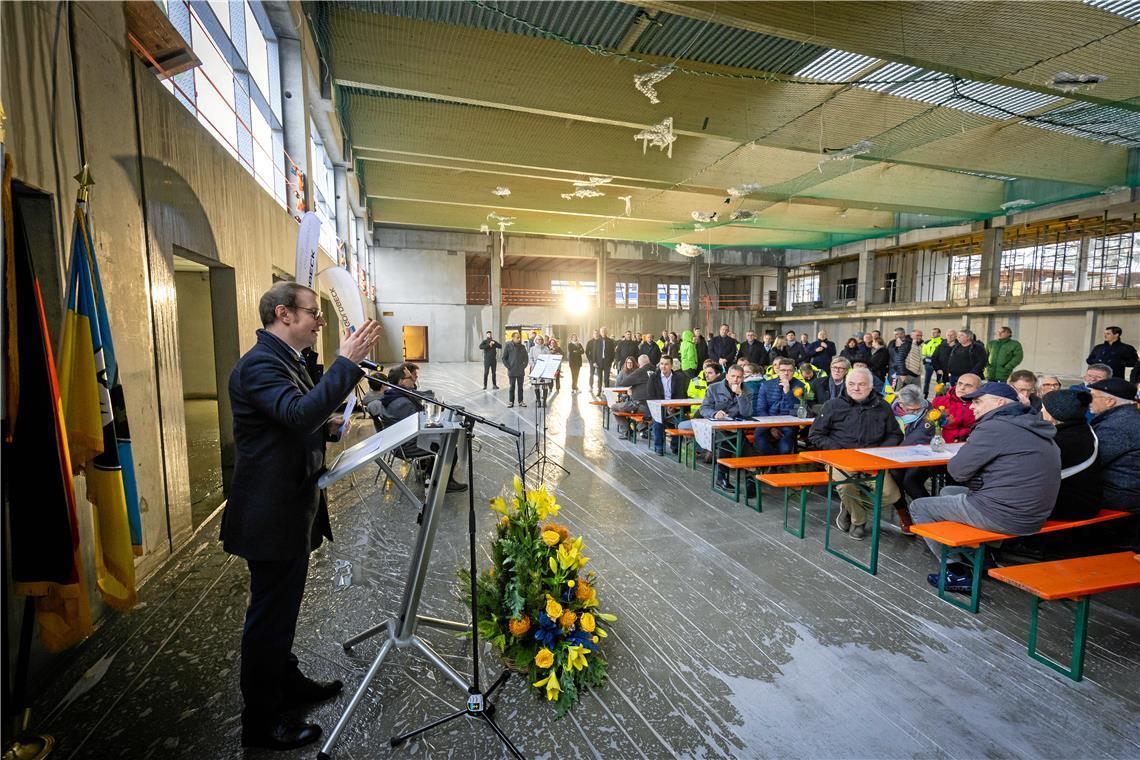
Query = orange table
x=861 y=467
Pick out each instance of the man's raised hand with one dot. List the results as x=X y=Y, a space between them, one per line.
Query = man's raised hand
x=358 y=345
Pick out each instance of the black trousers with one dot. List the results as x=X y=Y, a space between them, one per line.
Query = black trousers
x=489 y=367
x=268 y=665
x=603 y=377
x=574 y=370
x=515 y=382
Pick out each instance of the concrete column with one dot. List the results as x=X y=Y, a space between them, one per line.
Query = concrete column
x=865 y=289
x=988 y=288
x=600 y=277
x=340 y=203
x=294 y=115
x=781 y=290
x=496 y=287
x=694 y=295
x=1083 y=264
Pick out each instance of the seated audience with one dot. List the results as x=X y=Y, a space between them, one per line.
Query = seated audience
x=1025 y=383
x=629 y=365
x=1094 y=374
x=910 y=409
x=1116 y=423
x=880 y=386
x=859 y=418
x=726 y=400
x=396 y=404
x=709 y=374
x=1011 y=472
x=666 y=385
x=1081 y=495
x=637 y=381
x=1049 y=383
x=774 y=398
x=959 y=416
x=833 y=385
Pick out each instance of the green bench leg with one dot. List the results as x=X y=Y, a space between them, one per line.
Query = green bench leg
x=749 y=479
x=803 y=512
x=606 y=417
x=975 y=586
x=1080 y=629
x=876 y=509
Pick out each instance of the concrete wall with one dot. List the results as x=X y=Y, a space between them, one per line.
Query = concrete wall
x=196 y=335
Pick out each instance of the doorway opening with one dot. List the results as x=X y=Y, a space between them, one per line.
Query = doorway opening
x=415 y=343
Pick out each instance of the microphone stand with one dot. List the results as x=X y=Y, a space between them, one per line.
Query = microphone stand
x=478 y=705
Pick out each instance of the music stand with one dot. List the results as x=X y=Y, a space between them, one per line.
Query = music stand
x=441 y=438
x=542 y=375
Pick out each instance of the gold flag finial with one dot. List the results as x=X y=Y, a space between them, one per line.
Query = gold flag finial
x=85 y=183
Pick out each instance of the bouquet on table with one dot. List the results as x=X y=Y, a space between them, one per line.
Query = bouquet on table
x=535 y=604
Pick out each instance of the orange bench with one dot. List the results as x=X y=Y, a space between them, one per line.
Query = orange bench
x=1077 y=579
x=788 y=481
x=605 y=413
x=955 y=535
x=633 y=419
x=688 y=444
x=739 y=464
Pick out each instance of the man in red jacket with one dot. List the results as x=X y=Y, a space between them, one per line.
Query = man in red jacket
x=959 y=417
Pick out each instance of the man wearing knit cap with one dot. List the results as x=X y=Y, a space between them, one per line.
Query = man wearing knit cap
x=1116 y=423
x=1011 y=471
x=1081 y=495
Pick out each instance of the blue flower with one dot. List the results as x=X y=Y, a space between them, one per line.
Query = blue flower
x=548 y=632
x=582 y=638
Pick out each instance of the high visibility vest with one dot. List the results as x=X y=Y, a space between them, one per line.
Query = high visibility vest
x=929 y=347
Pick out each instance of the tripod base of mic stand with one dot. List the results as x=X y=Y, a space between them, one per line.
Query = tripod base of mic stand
x=392 y=640
x=477 y=707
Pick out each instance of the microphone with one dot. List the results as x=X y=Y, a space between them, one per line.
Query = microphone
x=369 y=364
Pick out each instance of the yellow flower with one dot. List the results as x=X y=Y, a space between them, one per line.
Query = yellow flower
x=553 y=608
x=504 y=522
x=568 y=619
x=550 y=538
x=938 y=388
x=595 y=639
x=798 y=392
x=570 y=584
x=544 y=659
x=520 y=626
x=576 y=657
x=570 y=555
x=553 y=688
x=586 y=622
x=553 y=565
x=499 y=505
x=584 y=592
x=561 y=530
x=543 y=503
x=518 y=487
x=934 y=415
x=600 y=632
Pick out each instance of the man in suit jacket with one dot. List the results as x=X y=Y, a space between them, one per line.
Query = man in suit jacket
x=276 y=515
x=666 y=385
x=605 y=349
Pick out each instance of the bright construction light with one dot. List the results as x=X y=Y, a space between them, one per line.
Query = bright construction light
x=575 y=302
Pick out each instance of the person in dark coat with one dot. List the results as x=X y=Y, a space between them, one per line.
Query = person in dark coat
x=490 y=347
x=722 y=348
x=668 y=385
x=626 y=348
x=855 y=351
x=1081 y=495
x=574 y=353
x=1116 y=423
x=648 y=347
x=967 y=357
x=795 y=348
x=858 y=419
x=590 y=344
x=516 y=358
x=833 y=384
x=820 y=352
x=702 y=346
x=276 y=516
x=1115 y=353
x=603 y=358
x=754 y=350
x=777 y=398
x=879 y=361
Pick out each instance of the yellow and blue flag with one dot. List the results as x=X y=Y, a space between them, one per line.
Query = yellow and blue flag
x=97 y=422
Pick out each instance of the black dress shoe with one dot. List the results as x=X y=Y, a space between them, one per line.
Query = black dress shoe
x=304 y=691
x=452 y=487
x=286 y=733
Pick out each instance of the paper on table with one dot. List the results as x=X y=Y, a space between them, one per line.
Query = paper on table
x=612 y=394
x=920 y=453
x=348 y=407
x=703 y=430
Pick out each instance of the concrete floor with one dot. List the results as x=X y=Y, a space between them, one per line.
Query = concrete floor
x=734 y=638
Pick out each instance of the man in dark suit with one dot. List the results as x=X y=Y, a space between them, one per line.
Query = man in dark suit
x=666 y=385
x=722 y=348
x=276 y=515
x=603 y=357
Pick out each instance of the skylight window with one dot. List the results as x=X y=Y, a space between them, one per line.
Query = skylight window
x=836 y=66
x=1130 y=9
x=925 y=86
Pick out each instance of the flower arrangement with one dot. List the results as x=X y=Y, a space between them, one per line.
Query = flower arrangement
x=937 y=417
x=938 y=388
x=535 y=604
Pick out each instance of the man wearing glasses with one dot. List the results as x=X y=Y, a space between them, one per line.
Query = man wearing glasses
x=276 y=515
x=1050 y=383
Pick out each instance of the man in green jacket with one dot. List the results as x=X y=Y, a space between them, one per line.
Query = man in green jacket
x=688 y=353
x=1004 y=355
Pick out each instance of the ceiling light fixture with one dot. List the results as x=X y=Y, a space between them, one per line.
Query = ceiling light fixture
x=644 y=82
x=659 y=136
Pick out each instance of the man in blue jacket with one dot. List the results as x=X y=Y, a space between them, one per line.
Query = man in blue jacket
x=777 y=397
x=276 y=515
